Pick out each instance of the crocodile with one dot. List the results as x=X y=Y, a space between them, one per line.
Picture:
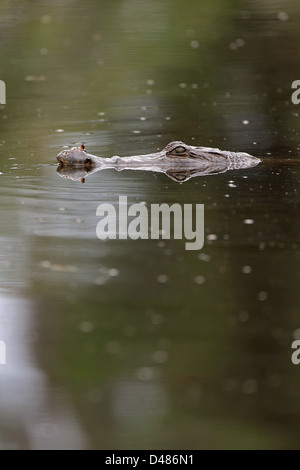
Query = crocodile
x=177 y=160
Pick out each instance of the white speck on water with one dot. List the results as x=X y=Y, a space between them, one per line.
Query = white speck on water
x=233 y=46
x=101 y=113
x=194 y=44
x=231 y=185
x=262 y=296
x=147 y=373
x=162 y=278
x=190 y=32
x=182 y=85
x=204 y=257
x=100 y=280
x=226 y=195
x=254 y=143
x=246 y=269
x=67 y=42
x=59 y=130
x=163 y=343
x=212 y=236
x=200 y=280
x=245 y=122
x=249 y=386
x=160 y=356
x=46 y=264
x=46 y=19
x=136 y=132
x=240 y=42
x=36 y=78
x=274 y=381
x=194 y=85
x=113 y=272
x=245 y=15
x=97 y=36
x=67 y=268
x=44 y=51
x=243 y=316
x=143 y=118
x=230 y=384
x=86 y=326
x=129 y=330
x=113 y=347
x=150 y=82
x=283 y=16
x=157 y=318
x=167 y=118
x=61 y=209
x=248 y=221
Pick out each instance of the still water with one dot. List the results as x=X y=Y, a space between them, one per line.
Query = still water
x=141 y=344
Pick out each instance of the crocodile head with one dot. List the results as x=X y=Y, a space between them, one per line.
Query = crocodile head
x=76 y=156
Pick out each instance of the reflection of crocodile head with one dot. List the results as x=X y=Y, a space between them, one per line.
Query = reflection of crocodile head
x=177 y=160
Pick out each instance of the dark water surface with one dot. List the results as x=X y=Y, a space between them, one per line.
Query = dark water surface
x=134 y=344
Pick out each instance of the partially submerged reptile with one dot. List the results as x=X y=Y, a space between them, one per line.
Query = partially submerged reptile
x=177 y=160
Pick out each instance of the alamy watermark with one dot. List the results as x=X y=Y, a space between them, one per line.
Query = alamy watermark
x=295 y=356
x=295 y=95
x=2 y=352
x=2 y=92
x=159 y=221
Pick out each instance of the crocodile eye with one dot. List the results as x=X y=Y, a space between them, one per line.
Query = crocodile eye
x=87 y=161
x=180 y=150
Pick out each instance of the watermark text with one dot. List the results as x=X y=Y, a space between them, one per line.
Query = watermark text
x=296 y=354
x=296 y=94
x=160 y=221
x=2 y=352
x=2 y=92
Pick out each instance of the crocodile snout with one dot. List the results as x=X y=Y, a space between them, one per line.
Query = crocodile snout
x=75 y=156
